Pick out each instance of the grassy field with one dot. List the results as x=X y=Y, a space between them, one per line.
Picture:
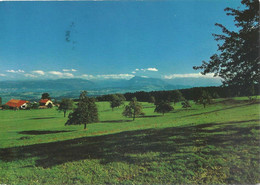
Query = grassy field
x=214 y=145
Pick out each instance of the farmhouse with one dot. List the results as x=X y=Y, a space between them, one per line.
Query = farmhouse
x=45 y=102
x=17 y=104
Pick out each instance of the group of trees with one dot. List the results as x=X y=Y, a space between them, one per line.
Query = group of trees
x=86 y=110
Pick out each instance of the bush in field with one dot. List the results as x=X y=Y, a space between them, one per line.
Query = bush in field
x=133 y=109
x=35 y=105
x=5 y=107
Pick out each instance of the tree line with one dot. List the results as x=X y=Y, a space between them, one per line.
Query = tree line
x=194 y=93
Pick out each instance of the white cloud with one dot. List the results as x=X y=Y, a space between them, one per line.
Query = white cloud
x=152 y=69
x=56 y=73
x=38 y=72
x=68 y=75
x=30 y=75
x=60 y=74
x=190 y=75
x=133 y=72
x=2 y=74
x=66 y=70
x=147 y=69
x=86 y=76
x=116 y=76
x=13 y=71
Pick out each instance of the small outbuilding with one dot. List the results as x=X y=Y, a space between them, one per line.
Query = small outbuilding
x=17 y=104
x=45 y=102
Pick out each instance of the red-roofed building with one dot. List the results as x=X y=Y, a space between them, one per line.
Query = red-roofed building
x=45 y=102
x=19 y=104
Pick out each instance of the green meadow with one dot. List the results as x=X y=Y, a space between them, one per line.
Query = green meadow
x=218 y=144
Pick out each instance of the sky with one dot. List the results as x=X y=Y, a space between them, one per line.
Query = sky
x=109 y=39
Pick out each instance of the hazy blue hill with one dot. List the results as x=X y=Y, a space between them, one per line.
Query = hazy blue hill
x=152 y=84
x=195 y=82
x=97 y=86
x=47 y=85
x=70 y=88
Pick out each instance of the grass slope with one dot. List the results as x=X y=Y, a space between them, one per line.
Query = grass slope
x=218 y=144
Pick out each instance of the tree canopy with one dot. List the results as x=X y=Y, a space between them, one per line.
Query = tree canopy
x=151 y=99
x=116 y=101
x=204 y=99
x=46 y=96
x=163 y=107
x=86 y=111
x=176 y=96
x=237 y=61
x=133 y=109
x=65 y=105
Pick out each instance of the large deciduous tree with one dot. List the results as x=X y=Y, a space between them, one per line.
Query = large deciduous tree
x=86 y=111
x=163 y=107
x=133 y=109
x=66 y=104
x=237 y=61
x=115 y=101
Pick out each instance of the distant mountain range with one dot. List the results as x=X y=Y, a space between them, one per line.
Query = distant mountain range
x=136 y=83
x=71 y=87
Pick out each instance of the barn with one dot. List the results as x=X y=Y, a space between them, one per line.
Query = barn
x=17 y=104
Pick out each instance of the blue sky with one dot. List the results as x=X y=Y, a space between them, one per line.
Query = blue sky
x=108 y=39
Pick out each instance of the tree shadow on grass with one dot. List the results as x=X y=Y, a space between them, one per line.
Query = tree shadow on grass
x=150 y=116
x=43 y=118
x=218 y=110
x=115 y=121
x=123 y=146
x=42 y=132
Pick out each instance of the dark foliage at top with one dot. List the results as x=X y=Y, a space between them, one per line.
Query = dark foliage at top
x=238 y=60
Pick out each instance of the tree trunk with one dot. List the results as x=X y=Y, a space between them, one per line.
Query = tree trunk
x=85 y=126
x=204 y=104
x=64 y=114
